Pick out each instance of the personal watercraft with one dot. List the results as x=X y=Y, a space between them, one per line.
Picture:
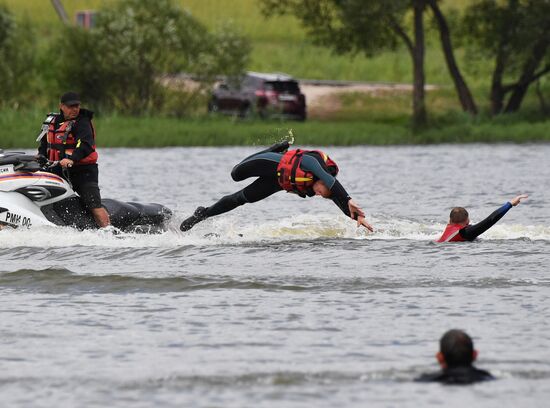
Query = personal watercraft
x=30 y=196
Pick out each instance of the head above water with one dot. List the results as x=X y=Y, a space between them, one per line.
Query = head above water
x=456 y=349
x=459 y=215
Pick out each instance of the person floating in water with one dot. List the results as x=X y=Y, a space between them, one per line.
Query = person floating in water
x=304 y=172
x=459 y=228
x=456 y=356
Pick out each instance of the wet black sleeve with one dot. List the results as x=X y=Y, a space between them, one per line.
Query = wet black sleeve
x=82 y=132
x=340 y=197
x=471 y=232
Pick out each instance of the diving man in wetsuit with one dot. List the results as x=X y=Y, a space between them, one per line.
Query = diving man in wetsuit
x=456 y=356
x=304 y=172
x=459 y=228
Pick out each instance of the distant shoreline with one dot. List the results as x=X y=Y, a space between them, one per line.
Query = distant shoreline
x=19 y=130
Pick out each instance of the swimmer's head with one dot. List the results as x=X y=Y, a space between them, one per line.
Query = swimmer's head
x=456 y=349
x=459 y=215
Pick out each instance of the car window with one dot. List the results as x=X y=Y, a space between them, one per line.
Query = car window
x=250 y=82
x=222 y=86
x=233 y=83
x=282 y=86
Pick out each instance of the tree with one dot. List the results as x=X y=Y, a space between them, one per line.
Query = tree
x=364 y=26
x=516 y=35
x=464 y=95
x=120 y=61
x=17 y=61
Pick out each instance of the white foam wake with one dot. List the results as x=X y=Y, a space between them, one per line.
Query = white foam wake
x=230 y=230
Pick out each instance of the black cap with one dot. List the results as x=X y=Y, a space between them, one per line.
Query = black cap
x=70 y=98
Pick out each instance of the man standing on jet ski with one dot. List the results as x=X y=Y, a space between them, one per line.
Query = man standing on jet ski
x=304 y=172
x=70 y=140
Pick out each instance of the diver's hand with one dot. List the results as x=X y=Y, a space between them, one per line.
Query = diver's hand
x=358 y=214
x=354 y=210
x=66 y=163
x=362 y=221
x=516 y=200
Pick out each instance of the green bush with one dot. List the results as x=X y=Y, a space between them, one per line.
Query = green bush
x=119 y=63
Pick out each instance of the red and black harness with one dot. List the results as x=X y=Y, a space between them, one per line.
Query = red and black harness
x=61 y=141
x=292 y=178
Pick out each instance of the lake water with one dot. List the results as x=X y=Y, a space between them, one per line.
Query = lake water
x=285 y=303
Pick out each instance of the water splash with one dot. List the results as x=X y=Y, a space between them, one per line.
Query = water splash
x=229 y=230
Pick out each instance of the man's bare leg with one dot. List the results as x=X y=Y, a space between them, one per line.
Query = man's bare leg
x=101 y=217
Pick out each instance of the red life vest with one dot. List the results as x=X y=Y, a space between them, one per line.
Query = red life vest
x=61 y=141
x=292 y=178
x=451 y=233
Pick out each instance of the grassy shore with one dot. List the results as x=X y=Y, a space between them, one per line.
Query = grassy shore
x=281 y=44
x=20 y=130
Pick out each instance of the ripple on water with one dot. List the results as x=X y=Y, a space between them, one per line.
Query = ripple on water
x=60 y=280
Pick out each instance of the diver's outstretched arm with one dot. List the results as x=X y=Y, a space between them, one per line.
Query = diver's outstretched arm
x=349 y=207
x=339 y=196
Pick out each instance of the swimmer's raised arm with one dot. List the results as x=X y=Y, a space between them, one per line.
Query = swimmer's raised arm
x=516 y=200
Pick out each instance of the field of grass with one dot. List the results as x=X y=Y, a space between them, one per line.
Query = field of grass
x=279 y=43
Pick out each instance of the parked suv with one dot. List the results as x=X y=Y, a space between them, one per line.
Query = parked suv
x=265 y=95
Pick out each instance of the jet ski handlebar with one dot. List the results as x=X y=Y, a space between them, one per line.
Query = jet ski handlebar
x=26 y=162
x=45 y=163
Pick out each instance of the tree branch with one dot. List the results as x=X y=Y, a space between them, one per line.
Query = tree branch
x=541 y=73
x=509 y=87
x=401 y=33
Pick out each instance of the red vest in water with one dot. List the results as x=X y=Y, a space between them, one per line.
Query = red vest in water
x=292 y=178
x=61 y=140
x=451 y=233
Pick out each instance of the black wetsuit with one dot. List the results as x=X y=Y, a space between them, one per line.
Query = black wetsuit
x=461 y=375
x=84 y=178
x=471 y=232
x=264 y=166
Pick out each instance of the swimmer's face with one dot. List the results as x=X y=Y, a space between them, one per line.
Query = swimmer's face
x=321 y=189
